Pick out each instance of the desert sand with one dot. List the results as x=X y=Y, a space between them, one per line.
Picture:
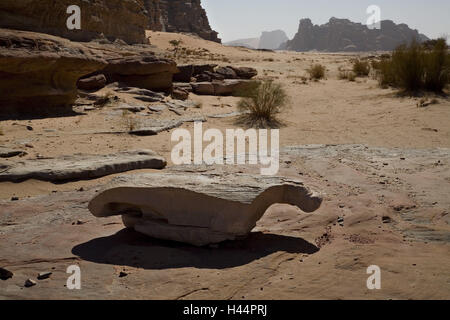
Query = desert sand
x=381 y=162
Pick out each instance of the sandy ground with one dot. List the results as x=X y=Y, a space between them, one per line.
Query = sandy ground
x=292 y=255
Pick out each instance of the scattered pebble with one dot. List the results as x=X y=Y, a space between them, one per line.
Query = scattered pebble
x=44 y=275
x=5 y=274
x=15 y=199
x=29 y=283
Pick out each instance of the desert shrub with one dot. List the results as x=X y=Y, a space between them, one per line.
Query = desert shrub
x=347 y=75
x=408 y=66
x=261 y=105
x=384 y=73
x=175 y=43
x=361 y=68
x=316 y=72
x=414 y=67
x=437 y=67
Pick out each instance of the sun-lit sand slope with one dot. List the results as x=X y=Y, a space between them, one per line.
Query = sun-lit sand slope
x=385 y=197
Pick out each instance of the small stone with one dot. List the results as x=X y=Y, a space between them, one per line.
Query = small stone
x=29 y=128
x=44 y=275
x=29 y=283
x=80 y=222
x=123 y=274
x=5 y=274
x=386 y=219
x=15 y=199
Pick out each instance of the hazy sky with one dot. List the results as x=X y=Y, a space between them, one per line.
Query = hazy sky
x=237 y=19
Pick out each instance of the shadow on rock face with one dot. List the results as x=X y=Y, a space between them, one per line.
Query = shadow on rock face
x=129 y=248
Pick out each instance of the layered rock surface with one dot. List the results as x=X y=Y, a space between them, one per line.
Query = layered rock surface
x=344 y=35
x=77 y=167
x=40 y=71
x=115 y=19
x=199 y=209
x=147 y=72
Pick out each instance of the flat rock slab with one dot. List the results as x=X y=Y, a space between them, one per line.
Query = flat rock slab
x=198 y=209
x=154 y=126
x=81 y=166
x=9 y=153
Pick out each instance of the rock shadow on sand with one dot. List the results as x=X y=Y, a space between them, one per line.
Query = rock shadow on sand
x=129 y=248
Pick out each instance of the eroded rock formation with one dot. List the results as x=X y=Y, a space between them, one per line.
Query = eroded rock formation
x=198 y=209
x=40 y=72
x=147 y=72
x=79 y=166
x=182 y=16
x=344 y=35
x=115 y=19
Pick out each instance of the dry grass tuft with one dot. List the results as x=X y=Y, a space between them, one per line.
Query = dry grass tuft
x=262 y=104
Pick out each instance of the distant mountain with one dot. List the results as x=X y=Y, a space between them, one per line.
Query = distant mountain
x=268 y=40
x=251 y=43
x=272 y=39
x=344 y=35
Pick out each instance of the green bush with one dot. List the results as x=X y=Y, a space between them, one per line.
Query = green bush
x=415 y=67
x=437 y=67
x=262 y=104
x=316 y=72
x=361 y=68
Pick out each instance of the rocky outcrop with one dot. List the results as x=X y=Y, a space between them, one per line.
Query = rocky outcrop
x=112 y=19
x=182 y=16
x=209 y=208
x=78 y=167
x=143 y=71
x=344 y=35
x=115 y=19
x=209 y=72
x=92 y=83
x=40 y=72
x=272 y=40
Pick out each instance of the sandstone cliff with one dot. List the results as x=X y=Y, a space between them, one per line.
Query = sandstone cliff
x=181 y=16
x=123 y=19
x=344 y=35
x=114 y=19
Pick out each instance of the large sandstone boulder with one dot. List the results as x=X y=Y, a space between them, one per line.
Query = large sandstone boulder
x=115 y=19
x=198 y=209
x=92 y=83
x=40 y=72
x=344 y=35
x=143 y=71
